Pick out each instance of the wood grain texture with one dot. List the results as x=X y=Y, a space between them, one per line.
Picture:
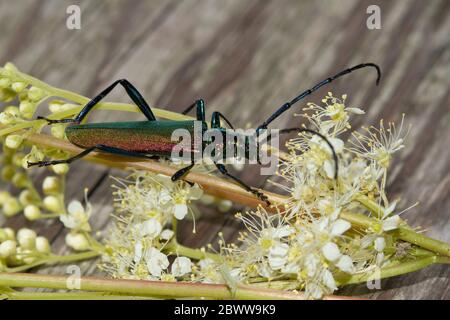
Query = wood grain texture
x=245 y=58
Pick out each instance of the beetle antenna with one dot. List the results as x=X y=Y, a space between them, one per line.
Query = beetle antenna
x=302 y=95
x=335 y=157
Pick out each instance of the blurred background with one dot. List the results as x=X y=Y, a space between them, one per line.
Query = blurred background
x=246 y=58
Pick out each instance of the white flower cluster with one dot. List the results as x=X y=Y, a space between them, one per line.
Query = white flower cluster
x=138 y=246
x=309 y=241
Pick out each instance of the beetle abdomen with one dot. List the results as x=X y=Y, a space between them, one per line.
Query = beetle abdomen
x=149 y=137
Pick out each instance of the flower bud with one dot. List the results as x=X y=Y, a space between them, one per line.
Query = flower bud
x=26 y=238
x=4 y=196
x=13 y=141
x=77 y=241
x=17 y=159
x=35 y=94
x=5 y=83
x=32 y=212
x=3 y=236
x=207 y=199
x=20 y=180
x=51 y=185
x=26 y=197
x=27 y=109
x=52 y=203
x=60 y=168
x=7 y=248
x=55 y=106
x=8 y=172
x=6 y=95
x=7 y=118
x=18 y=86
x=10 y=234
x=11 y=207
x=42 y=245
x=224 y=205
x=58 y=131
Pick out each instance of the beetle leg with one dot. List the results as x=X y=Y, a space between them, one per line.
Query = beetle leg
x=182 y=172
x=200 y=104
x=99 y=147
x=256 y=192
x=133 y=93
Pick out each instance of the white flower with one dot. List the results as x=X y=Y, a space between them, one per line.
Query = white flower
x=150 y=228
x=181 y=266
x=331 y=251
x=345 y=263
x=180 y=210
x=156 y=262
x=77 y=218
x=391 y=223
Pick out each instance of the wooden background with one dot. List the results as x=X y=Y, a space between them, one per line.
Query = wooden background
x=245 y=58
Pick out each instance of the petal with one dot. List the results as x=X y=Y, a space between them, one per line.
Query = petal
x=282 y=232
x=331 y=251
x=345 y=263
x=167 y=234
x=379 y=244
x=328 y=280
x=355 y=110
x=74 y=207
x=339 y=227
x=391 y=223
x=180 y=211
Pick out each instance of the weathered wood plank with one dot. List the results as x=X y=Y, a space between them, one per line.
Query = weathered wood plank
x=246 y=58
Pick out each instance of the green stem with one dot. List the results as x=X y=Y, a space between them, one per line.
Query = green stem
x=399 y=269
x=197 y=254
x=22 y=295
x=405 y=234
x=53 y=259
x=144 y=288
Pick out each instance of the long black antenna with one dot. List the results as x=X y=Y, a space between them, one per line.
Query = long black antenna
x=287 y=105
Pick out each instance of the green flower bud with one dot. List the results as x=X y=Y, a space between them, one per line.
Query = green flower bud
x=42 y=245
x=20 y=180
x=55 y=106
x=11 y=207
x=26 y=197
x=8 y=248
x=7 y=118
x=18 y=86
x=4 y=196
x=52 y=203
x=58 y=131
x=5 y=82
x=32 y=212
x=26 y=238
x=27 y=109
x=35 y=94
x=13 y=141
x=17 y=159
x=77 y=241
x=6 y=95
x=51 y=185
x=10 y=234
x=60 y=168
x=8 y=172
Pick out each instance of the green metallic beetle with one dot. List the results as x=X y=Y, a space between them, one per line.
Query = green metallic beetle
x=153 y=138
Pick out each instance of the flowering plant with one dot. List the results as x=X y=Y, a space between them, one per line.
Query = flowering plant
x=322 y=233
